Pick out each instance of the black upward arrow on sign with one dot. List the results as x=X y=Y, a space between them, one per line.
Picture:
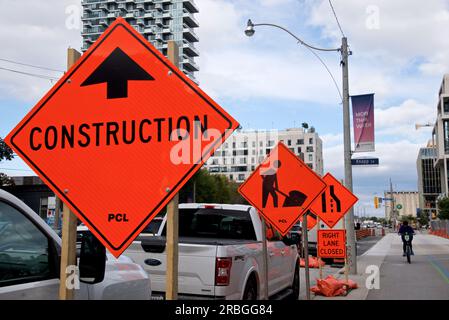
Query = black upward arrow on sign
x=116 y=71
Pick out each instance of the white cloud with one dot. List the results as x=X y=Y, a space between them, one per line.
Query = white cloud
x=34 y=33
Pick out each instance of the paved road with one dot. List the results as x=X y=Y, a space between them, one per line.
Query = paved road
x=427 y=277
x=365 y=244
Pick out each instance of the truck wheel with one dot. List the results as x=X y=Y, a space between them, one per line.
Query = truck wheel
x=250 y=292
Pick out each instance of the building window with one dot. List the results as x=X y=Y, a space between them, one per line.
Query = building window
x=310 y=165
x=289 y=142
x=300 y=141
x=254 y=144
x=446 y=136
x=310 y=140
x=445 y=105
x=241 y=177
x=310 y=157
x=270 y=143
x=299 y=150
x=309 y=149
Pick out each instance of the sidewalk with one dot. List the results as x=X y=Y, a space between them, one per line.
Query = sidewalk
x=426 y=278
x=375 y=256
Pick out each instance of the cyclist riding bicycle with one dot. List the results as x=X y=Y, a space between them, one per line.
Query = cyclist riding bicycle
x=403 y=230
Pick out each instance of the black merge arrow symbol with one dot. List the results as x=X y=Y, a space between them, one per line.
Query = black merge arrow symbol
x=116 y=71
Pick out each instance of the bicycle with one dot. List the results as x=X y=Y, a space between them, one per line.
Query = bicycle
x=408 y=248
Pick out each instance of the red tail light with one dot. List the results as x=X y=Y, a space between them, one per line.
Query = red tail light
x=223 y=271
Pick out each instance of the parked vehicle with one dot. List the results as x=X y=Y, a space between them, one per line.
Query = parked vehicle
x=30 y=254
x=221 y=255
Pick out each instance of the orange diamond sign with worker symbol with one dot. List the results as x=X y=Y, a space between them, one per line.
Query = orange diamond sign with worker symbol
x=334 y=202
x=282 y=188
x=120 y=134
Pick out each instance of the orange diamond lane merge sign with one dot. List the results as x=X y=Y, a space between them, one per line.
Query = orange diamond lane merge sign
x=333 y=204
x=120 y=134
x=282 y=188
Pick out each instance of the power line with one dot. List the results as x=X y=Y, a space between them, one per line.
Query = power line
x=12 y=169
x=30 y=65
x=336 y=18
x=30 y=74
x=328 y=71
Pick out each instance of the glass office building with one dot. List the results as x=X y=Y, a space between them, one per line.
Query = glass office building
x=158 y=21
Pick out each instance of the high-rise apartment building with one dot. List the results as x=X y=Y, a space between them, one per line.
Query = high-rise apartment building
x=429 y=180
x=158 y=21
x=244 y=150
x=440 y=134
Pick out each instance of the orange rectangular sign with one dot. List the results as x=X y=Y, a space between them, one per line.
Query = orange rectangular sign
x=332 y=243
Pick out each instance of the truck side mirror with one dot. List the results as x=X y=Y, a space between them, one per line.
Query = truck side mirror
x=92 y=263
x=291 y=239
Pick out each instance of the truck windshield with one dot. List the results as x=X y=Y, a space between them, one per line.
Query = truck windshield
x=216 y=223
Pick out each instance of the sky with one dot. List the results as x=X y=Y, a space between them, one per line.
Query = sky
x=269 y=81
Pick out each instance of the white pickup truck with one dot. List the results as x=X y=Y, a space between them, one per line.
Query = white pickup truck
x=220 y=255
x=30 y=255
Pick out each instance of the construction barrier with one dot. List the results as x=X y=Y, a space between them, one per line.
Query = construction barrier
x=440 y=228
x=363 y=233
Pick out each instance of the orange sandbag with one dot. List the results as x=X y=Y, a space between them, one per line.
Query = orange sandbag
x=313 y=262
x=350 y=284
x=329 y=286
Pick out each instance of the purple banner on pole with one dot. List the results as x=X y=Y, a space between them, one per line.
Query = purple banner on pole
x=363 y=121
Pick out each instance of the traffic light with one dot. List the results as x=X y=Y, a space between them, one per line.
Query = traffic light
x=376 y=202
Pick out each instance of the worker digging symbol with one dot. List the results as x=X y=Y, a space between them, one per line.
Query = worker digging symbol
x=270 y=186
x=332 y=201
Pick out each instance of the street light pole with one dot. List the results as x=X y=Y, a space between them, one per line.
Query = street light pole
x=349 y=218
x=350 y=232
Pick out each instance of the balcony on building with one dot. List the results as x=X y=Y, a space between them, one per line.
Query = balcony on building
x=189 y=49
x=191 y=6
x=190 y=34
x=189 y=19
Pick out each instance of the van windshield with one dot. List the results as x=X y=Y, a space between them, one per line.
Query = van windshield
x=215 y=223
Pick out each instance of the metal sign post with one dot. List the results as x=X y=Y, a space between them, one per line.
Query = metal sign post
x=306 y=255
x=171 y=279
x=265 y=257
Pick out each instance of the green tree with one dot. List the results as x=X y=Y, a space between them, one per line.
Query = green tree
x=443 y=206
x=5 y=154
x=423 y=219
x=211 y=188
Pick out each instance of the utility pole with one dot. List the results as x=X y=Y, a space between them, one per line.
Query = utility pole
x=392 y=212
x=350 y=232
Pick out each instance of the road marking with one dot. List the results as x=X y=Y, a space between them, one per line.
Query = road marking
x=438 y=267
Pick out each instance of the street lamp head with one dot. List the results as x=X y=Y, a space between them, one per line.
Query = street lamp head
x=249 y=31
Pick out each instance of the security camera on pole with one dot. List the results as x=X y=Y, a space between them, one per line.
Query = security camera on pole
x=351 y=246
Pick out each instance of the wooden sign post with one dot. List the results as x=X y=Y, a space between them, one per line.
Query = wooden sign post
x=68 y=251
x=318 y=255
x=171 y=278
